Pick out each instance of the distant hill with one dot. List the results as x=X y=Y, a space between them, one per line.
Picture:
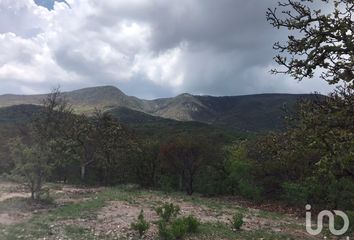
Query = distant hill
x=18 y=114
x=250 y=113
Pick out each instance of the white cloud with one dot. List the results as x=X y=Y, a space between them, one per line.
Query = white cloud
x=164 y=68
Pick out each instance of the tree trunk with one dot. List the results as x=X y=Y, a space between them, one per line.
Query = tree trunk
x=83 y=172
x=190 y=186
x=180 y=183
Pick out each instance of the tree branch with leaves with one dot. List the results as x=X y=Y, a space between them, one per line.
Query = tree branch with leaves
x=318 y=41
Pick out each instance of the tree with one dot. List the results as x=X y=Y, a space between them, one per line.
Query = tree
x=114 y=142
x=148 y=164
x=31 y=165
x=85 y=136
x=240 y=172
x=55 y=118
x=184 y=157
x=53 y=126
x=47 y=143
x=101 y=141
x=327 y=124
x=318 y=41
x=313 y=160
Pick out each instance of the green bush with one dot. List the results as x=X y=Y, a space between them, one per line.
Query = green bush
x=212 y=183
x=295 y=193
x=179 y=228
x=167 y=212
x=44 y=197
x=249 y=190
x=141 y=225
x=167 y=184
x=237 y=221
x=173 y=228
x=192 y=224
x=341 y=194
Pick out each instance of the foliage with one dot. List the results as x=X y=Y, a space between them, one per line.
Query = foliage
x=141 y=225
x=31 y=165
x=180 y=227
x=192 y=223
x=171 y=227
x=167 y=212
x=314 y=157
x=113 y=143
x=340 y=193
x=46 y=145
x=250 y=189
x=184 y=157
x=237 y=221
x=318 y=40
x=167 y=183
x=148 y=166
x=295 y=193
x=240 y=170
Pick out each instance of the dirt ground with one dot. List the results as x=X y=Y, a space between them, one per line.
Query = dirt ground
x=116 y=216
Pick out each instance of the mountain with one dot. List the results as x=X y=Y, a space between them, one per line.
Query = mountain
x=83 y=100
x=249 y=113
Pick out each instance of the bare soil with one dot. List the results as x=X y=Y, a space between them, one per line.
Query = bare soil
x=115 y=218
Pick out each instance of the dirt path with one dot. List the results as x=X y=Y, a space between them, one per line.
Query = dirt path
x=6 y=196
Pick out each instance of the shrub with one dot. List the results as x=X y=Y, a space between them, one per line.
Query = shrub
x=167 y=212
x=192 y=223
x=173 y=228
x=46 y=198
x=178 y=228
x=341 y=194
x=141 y=225
x=249 y=190
x=237 y=221
x=167 y=184
x=165 y=232
x=295 y=193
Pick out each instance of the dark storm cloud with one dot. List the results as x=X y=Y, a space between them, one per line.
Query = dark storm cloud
x=153 y=48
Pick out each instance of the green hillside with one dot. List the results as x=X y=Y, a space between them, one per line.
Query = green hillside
x=251 y=113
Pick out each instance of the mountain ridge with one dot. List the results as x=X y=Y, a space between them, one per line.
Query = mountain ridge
x=258 y=112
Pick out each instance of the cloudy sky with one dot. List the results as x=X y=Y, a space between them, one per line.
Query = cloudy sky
x=147 y=48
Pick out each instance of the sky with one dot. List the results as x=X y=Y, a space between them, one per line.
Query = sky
x=147 y=48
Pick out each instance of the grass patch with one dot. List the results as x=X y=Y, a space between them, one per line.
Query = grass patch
x=85 y=210
x=224 y=231
x=211 y=203
x=77 y=233
x=88 y=209
x=270 y=215
x=14 y=203
x=39 y=226
x=36 y=228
